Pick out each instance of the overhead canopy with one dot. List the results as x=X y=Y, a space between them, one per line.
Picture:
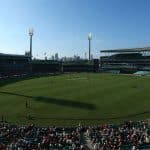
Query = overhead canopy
x=12 y=55
x=128 y=50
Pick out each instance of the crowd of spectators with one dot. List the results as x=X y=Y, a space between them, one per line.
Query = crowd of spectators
x=14 y=137
x=128 y=136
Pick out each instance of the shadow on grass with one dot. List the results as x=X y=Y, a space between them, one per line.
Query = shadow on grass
x=57 y=101
x=73 y=104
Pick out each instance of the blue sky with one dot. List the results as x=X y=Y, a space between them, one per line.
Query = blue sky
x=63 y=25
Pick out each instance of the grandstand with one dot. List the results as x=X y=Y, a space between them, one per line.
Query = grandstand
x=126 y=60
x=17 y=65
x=127 y=136
x=45 y=66
x=11 y=64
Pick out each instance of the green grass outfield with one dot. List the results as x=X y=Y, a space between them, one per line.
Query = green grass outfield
x=72 y=98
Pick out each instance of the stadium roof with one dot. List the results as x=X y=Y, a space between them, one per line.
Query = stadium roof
x=128 y=50
x=13 y=55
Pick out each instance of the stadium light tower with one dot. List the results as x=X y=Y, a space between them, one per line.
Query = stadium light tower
x=90 y=38
x=31 y=34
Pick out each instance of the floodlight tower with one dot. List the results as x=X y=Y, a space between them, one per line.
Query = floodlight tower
x=90 y=38
x=31 y=34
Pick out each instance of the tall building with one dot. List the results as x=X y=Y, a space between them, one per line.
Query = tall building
x=53 y=57
x=56 y=57
x=91 y=57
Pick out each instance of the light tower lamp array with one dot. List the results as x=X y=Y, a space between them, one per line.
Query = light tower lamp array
x=90 y=38
x=31 y=34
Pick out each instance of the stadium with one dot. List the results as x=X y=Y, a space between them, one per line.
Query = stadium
x=126 y=60
x=64 y=89
x=74 y=97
